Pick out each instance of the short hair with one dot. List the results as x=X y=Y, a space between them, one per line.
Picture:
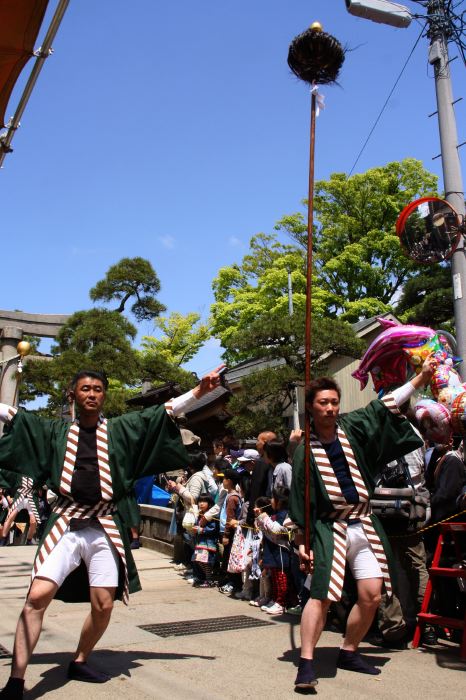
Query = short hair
x=101 y=376
x=197 y=460
x=264 y=504
x=276 y=451
x=206 y=498
x=321 y=384
x=281 y=495
x=232 y=475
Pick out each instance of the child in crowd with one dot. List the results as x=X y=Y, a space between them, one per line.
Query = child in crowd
x=243 y=487
x=205 y=545
x=230 y=511
x=261 y=505
x=276 y=552
x=280 y=473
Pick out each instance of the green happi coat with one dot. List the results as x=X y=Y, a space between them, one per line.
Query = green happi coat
x=139 y=444
x=377 y=436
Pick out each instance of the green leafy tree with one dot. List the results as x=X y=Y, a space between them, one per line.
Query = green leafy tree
x=96 y=339
x=251 y=318
x=359 y=262
x=131 y=277
x=265 y=394
x=161 y=358
x=258 y=289
x=427 y=298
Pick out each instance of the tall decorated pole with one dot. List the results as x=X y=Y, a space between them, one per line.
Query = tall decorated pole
x=316 y=58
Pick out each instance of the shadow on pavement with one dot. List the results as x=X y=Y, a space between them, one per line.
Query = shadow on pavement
x=115 y=663
x=326 y=658
x=447 y=655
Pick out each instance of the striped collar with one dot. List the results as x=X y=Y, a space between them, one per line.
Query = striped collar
x=102 y=459
x=327 y=473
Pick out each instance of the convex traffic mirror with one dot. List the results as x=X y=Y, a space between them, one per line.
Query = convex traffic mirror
x=429 y=230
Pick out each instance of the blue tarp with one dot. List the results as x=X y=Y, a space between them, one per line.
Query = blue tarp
x=150 y=494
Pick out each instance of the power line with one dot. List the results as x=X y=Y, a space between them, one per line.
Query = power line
x=387 y=100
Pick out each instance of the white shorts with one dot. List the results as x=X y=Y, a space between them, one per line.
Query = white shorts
x=359 y=554
x=90 y=545
x=24 y=503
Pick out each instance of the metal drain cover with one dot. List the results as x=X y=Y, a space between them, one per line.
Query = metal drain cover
x=4 y=653
x=217 y=624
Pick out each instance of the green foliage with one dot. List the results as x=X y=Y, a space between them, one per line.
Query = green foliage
x=100 y=339
x=358 y=258
x=427 y=299
x=279 y=341
x=161 y=358
x=359 y=269
x=257 y=290
x=96 y=339
x=131 y=277
x=183 y=336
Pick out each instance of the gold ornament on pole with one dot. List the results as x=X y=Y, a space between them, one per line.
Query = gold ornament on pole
x=23 y=348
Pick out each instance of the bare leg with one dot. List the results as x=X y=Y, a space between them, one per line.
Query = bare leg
x=32 y=527
x=7 y=525
x=312 y=624
x=29 y=625
x=362 y=613
x=96 y=622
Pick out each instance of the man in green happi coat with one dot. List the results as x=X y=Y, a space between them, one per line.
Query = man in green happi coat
x=346 y=455
x=92 y=464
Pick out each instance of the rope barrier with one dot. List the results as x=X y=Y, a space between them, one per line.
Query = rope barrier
x=427 y=527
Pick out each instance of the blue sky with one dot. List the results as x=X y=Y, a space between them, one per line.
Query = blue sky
x=175 y=131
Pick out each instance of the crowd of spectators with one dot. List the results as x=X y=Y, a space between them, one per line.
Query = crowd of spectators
x=231 y=511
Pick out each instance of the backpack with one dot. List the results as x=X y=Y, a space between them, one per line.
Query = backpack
x=399 y=505
x=223 y=511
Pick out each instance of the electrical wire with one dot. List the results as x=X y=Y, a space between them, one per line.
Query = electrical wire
x=387 y=100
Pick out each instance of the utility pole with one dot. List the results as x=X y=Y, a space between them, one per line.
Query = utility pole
x=296 y=425
x=438 y=33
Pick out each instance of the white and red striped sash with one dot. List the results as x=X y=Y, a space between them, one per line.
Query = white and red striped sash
x=66 y=510
x=102 y=459
x=344 y=511
x=25 y=492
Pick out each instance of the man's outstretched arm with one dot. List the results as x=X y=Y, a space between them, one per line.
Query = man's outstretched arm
x=187 y=401
x=7 y=413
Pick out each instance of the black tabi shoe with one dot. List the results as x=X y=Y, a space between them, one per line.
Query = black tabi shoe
x=81 y=671
x=353 y=661
x=306 y=677
x=13 y=690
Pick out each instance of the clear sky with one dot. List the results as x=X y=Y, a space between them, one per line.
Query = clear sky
x=175 y=131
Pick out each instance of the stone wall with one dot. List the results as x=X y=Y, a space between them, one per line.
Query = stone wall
x=155 y=523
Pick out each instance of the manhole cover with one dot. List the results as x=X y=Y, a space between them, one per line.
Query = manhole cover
x=4 y=653
x=218 y=624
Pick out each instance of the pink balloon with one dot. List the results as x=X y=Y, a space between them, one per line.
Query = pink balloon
x=384 y=352
x=434 y=420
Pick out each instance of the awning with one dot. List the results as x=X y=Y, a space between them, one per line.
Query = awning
x=20 y=21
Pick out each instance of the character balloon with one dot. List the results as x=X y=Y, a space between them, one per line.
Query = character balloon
x=385 y=359
x=434 y=420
